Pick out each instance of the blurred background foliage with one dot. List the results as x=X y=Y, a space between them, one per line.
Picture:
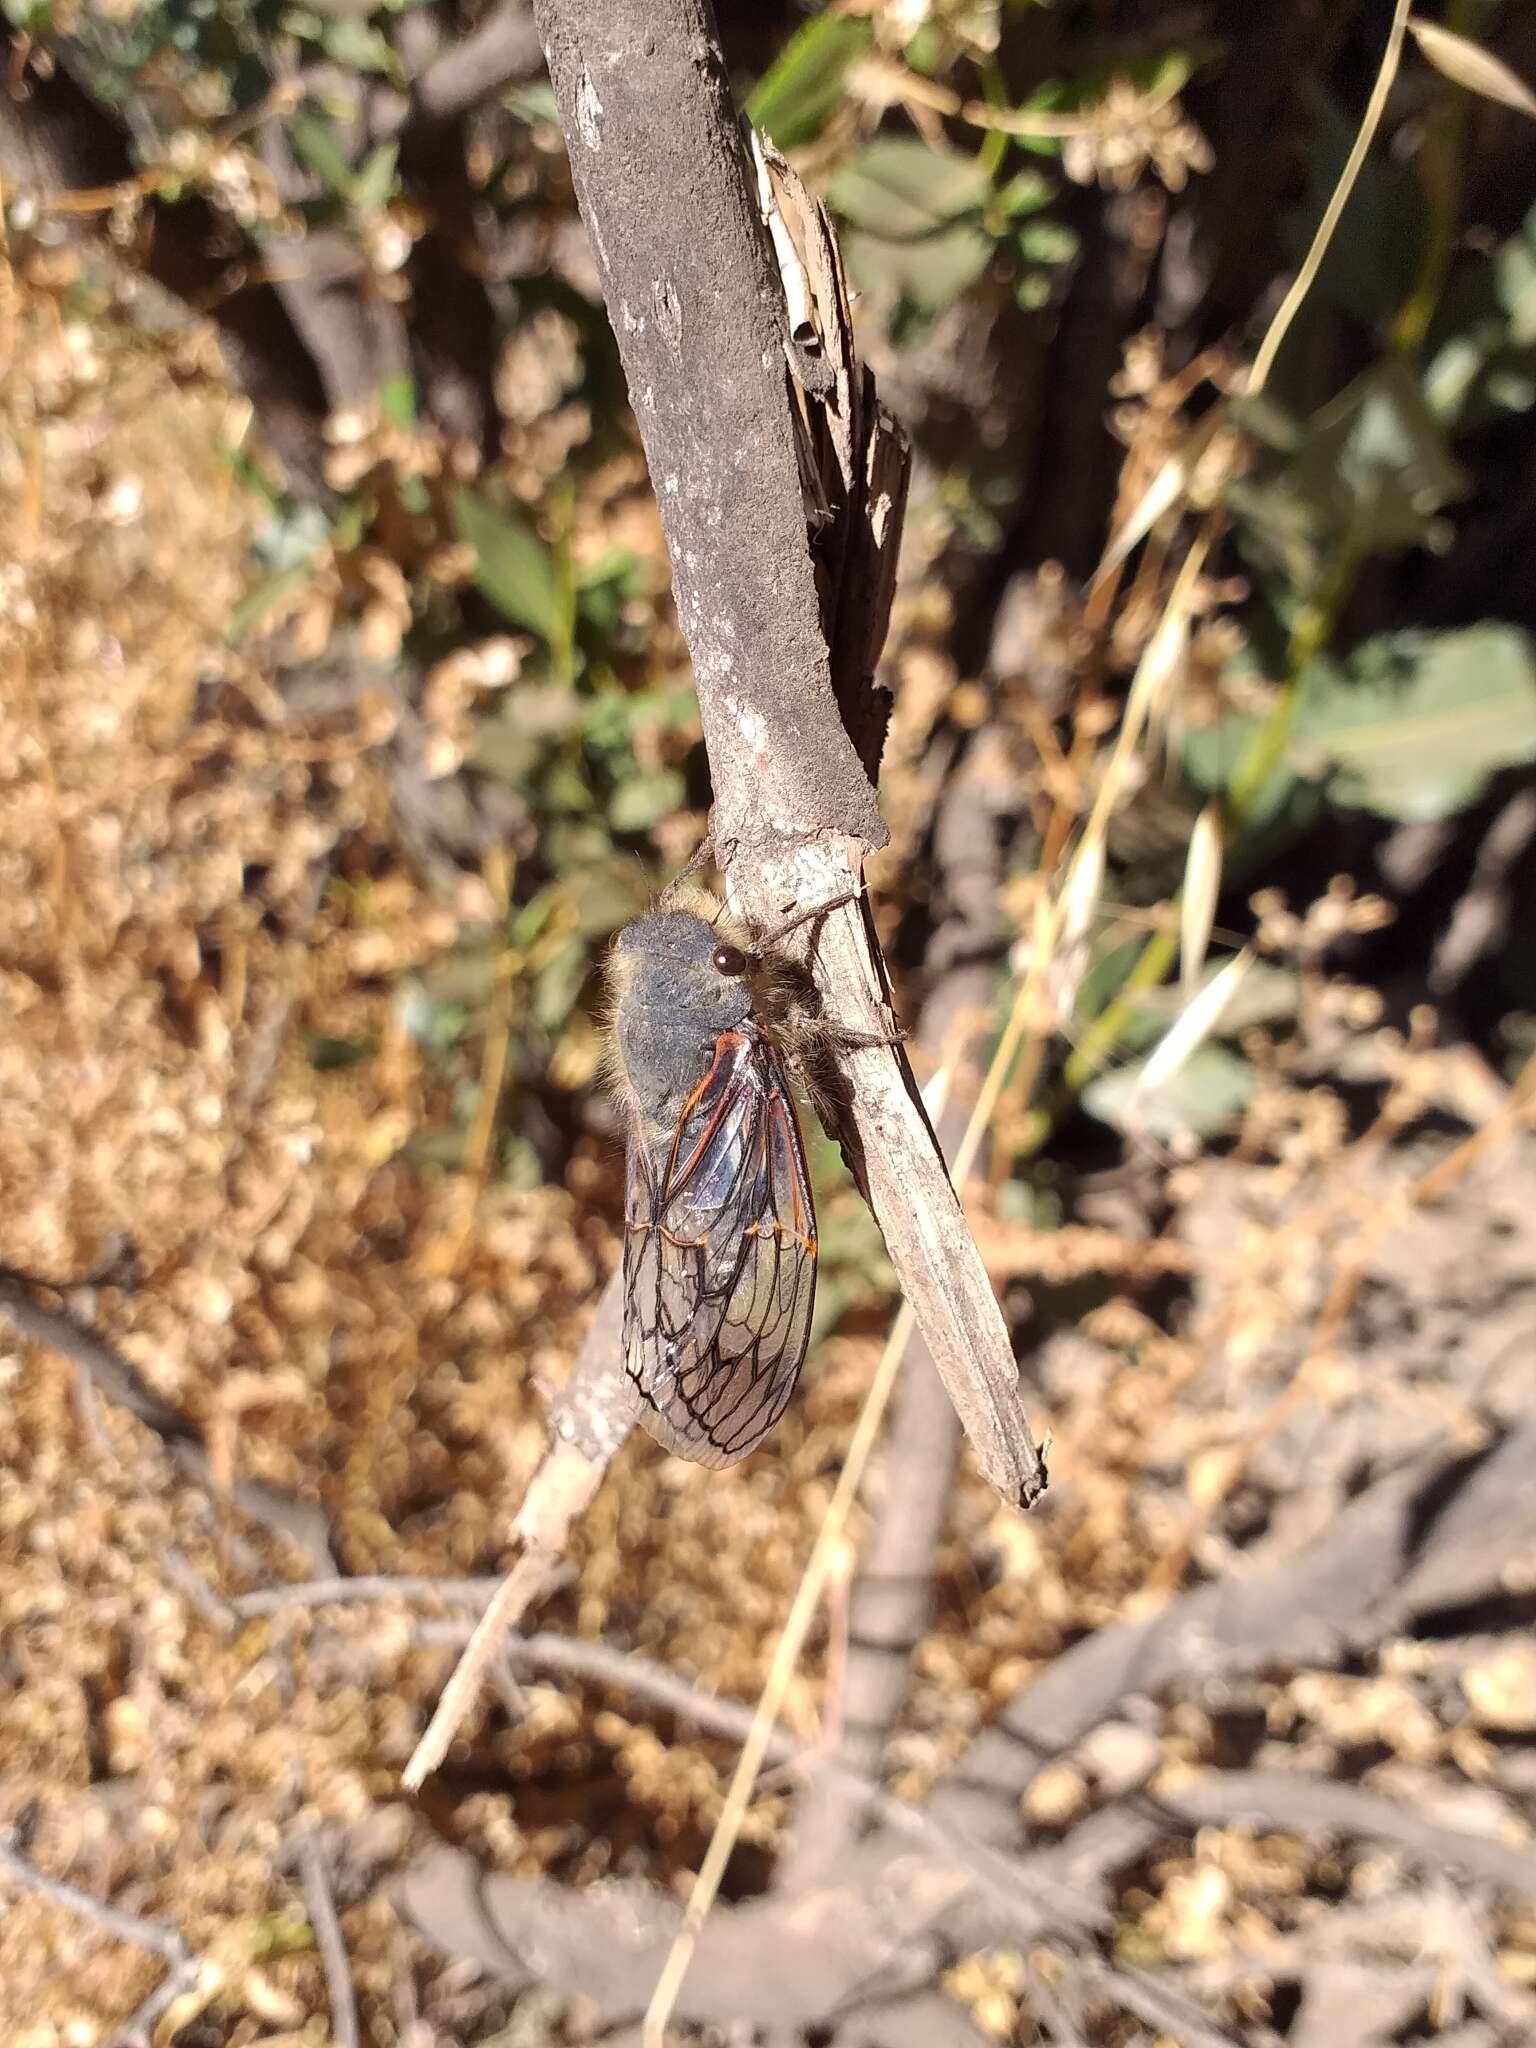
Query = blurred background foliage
x=1068 y=225
x=1290 y=634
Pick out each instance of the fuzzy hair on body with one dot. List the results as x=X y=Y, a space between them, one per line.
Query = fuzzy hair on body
x=669 y=1003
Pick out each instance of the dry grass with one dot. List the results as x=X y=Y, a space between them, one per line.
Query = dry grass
x=317 y=1305
x=374 y=1336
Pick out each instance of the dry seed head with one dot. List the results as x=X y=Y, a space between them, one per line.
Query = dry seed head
x=1083 y=889
x=1195 y=1025
x=1168 y=489
x=1202 y=887
x=1468 y=64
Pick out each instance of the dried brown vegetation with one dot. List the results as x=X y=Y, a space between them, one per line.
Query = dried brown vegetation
x=371 y=1338
x=1230 y=1741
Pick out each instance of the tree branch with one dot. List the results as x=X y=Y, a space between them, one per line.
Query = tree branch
x=596 y=1410
x=501 y=50
x=891 y=1609
x=783 y=647
x=699 y=313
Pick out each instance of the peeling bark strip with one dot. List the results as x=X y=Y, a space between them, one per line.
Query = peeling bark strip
x=660 y=175
x=698 y=307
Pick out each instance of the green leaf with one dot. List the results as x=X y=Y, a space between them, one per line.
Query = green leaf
x=317 y=142
x=1486 y=361
x=357 y=47
x=559 y=983
x=643 y=802
x=1371 y=263
x=1515 y=272
x=1368 y=473
x=799 y=94
x=914 y=220
x=505 y=752
x=1416 y=722
x=1375 y=461
x=521 y=1166
x=603 y=589
x=434 y=1025
x=280 y=1934
x=607 y=722
x=257 y=602
x=1114 y=957
x=672 y=706
x=374 y=182
x=526 y=923
x=567 y=788
x=1047 y=241
x=514 y=569
x=397 y=400
x=1032 y=291
x=1025 y=192
x=1204 y=1097
x=1211 y=756
x=532 y=104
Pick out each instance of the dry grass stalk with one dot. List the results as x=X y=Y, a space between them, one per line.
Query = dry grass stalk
x=1370 y=121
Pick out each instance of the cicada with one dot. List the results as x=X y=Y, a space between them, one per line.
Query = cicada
x=720 y=1232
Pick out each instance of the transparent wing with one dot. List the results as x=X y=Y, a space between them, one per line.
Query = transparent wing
x=720 y=1260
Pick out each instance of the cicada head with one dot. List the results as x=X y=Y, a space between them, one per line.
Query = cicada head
x=680 y=979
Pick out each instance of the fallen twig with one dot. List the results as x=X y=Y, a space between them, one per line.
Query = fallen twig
x=218 y=1612
x=1162 y=2006
x=329 y=1940
x=138 y=2030
x=1003 y=1878
x=1294 y=1802
x=1382 y=1560
x=164 y=1941
x=367 y=1586
x=111 y=1374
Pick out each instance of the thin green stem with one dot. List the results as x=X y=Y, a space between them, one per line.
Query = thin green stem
x=1153 y=966
x=1440 y=163
x=994 y=149
x=1311 y=633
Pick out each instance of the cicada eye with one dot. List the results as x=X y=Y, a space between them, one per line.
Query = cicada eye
x=728 y=960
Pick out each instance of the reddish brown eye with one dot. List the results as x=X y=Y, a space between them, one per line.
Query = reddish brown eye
x=728 y=960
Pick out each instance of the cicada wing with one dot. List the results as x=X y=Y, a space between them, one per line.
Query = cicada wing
x=720 y=1260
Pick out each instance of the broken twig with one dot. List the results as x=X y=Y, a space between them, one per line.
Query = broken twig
x=182 y=1966
x=329 y=1940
